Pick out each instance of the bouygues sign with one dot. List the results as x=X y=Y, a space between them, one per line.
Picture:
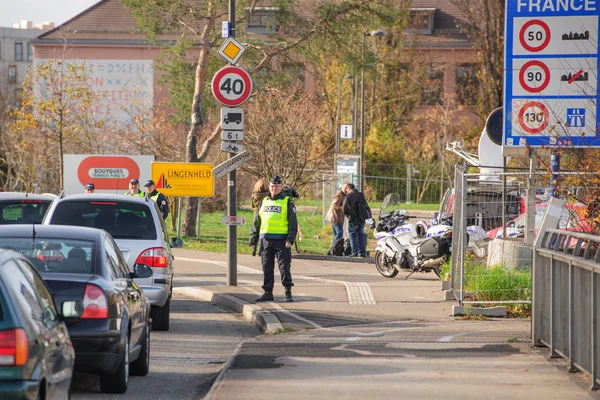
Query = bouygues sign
x=109 y=174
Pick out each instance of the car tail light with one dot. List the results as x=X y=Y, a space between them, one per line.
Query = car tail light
x=94 y=303
x=14 y=347
x=31 y=201
x=50 y=255
x=155 y=257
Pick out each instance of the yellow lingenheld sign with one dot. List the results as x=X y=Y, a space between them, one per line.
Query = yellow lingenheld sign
x=184 y=179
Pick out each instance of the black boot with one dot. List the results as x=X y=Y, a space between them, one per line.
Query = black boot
x=288 y=294
x=267 y=296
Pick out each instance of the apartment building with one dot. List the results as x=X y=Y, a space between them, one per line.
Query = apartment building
x=16 y=55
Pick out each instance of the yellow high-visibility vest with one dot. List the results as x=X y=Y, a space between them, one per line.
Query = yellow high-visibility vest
x=273 y=216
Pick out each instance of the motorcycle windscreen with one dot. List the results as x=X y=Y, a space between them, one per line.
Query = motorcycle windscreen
x=391 y=203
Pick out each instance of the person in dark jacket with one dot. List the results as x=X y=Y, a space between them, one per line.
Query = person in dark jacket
x=356 y=220
x=274 y=230
x=159 y=198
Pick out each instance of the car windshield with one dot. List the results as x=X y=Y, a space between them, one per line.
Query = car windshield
x=123 y=220
x=55 y=255
x=22 y=211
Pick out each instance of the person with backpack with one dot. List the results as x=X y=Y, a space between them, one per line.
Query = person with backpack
x=357 y=211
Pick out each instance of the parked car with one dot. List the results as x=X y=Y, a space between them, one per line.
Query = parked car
x=137 y=226
x=23 y=208
x=571 y=219
x=36 y=354
x=112 y=336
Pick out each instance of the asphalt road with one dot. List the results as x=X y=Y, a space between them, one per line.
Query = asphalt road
x=185 y=360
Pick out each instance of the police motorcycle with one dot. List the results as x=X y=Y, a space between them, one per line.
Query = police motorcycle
x=407 y=246
x=477 y=239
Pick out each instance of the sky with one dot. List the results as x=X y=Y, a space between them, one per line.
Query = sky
x=39 y=11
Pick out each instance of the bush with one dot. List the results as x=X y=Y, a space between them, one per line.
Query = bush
x=497 y=283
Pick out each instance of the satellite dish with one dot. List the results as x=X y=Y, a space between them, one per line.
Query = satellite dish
x=494 y=126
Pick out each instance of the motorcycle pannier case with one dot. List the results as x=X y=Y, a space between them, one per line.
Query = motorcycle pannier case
x=434 y=247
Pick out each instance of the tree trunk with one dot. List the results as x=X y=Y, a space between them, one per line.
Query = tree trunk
x=191 y=204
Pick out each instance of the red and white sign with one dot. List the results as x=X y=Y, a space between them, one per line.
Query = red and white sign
x=534 y=76
x=533 y=117
x=233 y=220
x=109 y=174
x=231 y=86
x=534 y=35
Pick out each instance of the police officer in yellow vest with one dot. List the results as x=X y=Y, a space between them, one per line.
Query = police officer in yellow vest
x=134 y=189
x=159 y=198
x=276 y=226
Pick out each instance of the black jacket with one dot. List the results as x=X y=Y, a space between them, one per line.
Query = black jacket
x=292 y=223
x=161 y=202
x=351 y=203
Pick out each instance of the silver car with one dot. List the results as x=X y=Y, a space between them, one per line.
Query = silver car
x=138 y=228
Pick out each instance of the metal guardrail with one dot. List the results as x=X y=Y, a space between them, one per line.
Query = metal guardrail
x=566 y=305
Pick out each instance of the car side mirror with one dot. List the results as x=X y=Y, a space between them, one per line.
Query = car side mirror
x=71 y=309
x=176 y=242
x=141 y=271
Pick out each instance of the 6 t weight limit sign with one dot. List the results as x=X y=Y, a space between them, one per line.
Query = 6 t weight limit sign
x=231 y=86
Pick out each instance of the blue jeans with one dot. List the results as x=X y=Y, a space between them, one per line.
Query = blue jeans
x=338 y=232
x=358 y=239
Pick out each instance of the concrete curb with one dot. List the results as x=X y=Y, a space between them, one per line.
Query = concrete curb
x=333 y=258
x=498 y=312
x=264 y=320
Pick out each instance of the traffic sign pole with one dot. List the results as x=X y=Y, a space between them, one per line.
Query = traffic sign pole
x=231 y=192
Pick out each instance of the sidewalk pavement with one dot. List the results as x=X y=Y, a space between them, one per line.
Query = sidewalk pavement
x=339 y=298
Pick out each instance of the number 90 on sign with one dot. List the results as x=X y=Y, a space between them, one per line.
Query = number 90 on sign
x=232 y=135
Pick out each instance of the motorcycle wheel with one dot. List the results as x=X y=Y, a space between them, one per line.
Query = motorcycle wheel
x=384 y=267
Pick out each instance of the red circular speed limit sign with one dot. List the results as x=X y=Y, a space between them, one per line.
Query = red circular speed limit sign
x=534 y=35
x=534 y=76
x=231 y=86
x=533 y=117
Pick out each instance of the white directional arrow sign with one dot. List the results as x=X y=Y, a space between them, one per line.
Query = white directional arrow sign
x=231 y=164
x=233 y=220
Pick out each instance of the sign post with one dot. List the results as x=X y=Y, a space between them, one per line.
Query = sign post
x=551 y=75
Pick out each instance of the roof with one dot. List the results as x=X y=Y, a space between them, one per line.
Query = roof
x=51 y=232
x=103 y=197
x=447 y=24
x=25 y=196
x=107 y=20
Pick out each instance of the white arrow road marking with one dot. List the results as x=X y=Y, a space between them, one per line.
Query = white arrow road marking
x=358 y=292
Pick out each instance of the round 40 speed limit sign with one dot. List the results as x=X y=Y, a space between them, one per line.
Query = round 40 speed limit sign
x=231 y=86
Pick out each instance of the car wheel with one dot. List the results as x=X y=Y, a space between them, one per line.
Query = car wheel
x=160 y=316
x=117 y=381
x=141 y=366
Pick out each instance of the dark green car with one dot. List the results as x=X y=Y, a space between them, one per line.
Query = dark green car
x=36 y=354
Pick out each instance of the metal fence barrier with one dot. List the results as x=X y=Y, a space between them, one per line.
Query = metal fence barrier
x=565 y=307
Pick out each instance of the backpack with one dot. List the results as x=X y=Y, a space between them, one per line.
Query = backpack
x=340 y=248
x=364 y=211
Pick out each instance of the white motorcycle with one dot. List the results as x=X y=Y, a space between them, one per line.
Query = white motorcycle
x=405 y=246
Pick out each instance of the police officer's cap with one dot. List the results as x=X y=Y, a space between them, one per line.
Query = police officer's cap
x=90 y=186
x=134 y=181
x=276 y=180
x=149 y=182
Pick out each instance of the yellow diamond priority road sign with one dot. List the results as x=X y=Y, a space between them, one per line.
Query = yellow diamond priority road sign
x=184 y=179
x=231 y=50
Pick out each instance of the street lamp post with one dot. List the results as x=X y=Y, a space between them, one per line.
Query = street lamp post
x=338 y=113
x=377 y=32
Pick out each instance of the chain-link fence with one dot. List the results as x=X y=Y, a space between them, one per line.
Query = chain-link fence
x=495 y=220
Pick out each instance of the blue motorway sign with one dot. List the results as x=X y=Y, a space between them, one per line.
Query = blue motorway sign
x=551 y=74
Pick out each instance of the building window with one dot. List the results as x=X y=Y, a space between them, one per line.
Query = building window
x=262 y=21
x=19 y=51
x=420 y=21
x=30 y=52
x=467 y=84
x=294 y=72
x=12 y=74
x=433 y=87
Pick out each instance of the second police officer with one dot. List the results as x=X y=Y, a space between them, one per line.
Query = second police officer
x=134 y=189
x=274 y=230
x=159 y=198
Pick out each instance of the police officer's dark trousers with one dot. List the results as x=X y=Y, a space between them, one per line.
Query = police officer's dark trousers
x=271 y=248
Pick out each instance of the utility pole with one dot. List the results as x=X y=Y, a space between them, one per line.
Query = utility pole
x=231 y=192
